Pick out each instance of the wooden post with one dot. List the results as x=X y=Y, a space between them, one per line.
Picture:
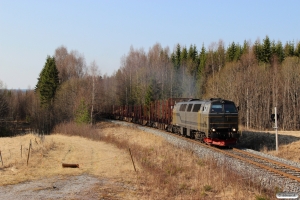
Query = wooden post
x=28 y=152
x=64 y=165
x=132 y=160
x=21 y=151
x=1 y=158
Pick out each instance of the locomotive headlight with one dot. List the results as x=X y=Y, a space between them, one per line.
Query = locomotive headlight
x=233 y=130
x=213 y=130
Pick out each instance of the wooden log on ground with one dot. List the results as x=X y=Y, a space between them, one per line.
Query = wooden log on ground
x=64 y=165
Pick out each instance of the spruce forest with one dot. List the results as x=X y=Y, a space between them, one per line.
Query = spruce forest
x=256 y=76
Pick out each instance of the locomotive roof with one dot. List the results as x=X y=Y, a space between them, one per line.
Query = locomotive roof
x=206 y=100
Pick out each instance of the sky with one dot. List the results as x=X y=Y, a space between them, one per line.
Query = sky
x=104 y=30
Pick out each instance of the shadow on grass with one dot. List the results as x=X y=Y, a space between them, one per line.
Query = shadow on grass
x=263 y=140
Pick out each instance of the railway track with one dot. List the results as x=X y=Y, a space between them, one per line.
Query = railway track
x=275 y=167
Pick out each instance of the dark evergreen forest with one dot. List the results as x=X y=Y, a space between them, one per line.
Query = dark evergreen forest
x=256 y=76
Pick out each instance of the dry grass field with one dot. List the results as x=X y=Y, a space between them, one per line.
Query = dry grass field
x=289 y=150
x=288 y=141
x=106 y=170
x=46 y=158
x=95 y=159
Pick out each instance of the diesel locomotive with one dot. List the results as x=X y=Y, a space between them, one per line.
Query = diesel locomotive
x=213 y=121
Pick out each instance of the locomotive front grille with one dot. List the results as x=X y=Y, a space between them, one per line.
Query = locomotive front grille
x=223 y=122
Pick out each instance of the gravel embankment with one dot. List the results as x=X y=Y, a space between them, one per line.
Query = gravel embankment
x=254 y=174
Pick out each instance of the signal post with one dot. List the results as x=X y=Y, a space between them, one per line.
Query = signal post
x=274 y=118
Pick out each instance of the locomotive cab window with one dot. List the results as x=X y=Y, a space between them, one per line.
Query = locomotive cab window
x=216 y=108
x=189 y=108
x=182 y=107
x=196 y=107
x=230 y=108
x=220 y=108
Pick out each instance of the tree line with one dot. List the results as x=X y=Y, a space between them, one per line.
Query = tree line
x=256 y=76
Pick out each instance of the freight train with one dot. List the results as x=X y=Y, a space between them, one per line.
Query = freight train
x=213 y=121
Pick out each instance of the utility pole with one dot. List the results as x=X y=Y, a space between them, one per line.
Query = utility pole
x=276 y=128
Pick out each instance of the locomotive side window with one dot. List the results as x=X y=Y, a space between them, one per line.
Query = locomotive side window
x=189 y=108
x=230 y=108
x=182 y=107
x=196 y=107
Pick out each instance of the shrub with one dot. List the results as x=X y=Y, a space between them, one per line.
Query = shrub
x=82 y=114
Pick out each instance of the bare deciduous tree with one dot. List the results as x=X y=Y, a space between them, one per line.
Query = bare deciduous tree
x=95 y=87
x=3 y=101
x=70 y=65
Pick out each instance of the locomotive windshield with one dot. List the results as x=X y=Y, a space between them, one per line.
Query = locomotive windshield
x=223 y=108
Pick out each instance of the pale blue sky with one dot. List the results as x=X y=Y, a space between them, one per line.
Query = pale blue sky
x=104 y=30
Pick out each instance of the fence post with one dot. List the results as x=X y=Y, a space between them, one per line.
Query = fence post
x=132 y=160
x=1 y=158
x=28 y=152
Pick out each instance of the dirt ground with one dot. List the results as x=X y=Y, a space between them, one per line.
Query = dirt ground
x=105 y=172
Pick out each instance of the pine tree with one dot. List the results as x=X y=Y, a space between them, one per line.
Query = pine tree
x=201 y=72
x=266 y=50
x=280 y=52
x=177 y=57
x=177 y=78
x=238 y=52
x=193 y=60
x=192 y=53
x=230 y=53
x=258 y=51
x=202 y=62
x=48 y=82
x=246 y=47
x=183 y=55
x=289 y=49
x=273 y=48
